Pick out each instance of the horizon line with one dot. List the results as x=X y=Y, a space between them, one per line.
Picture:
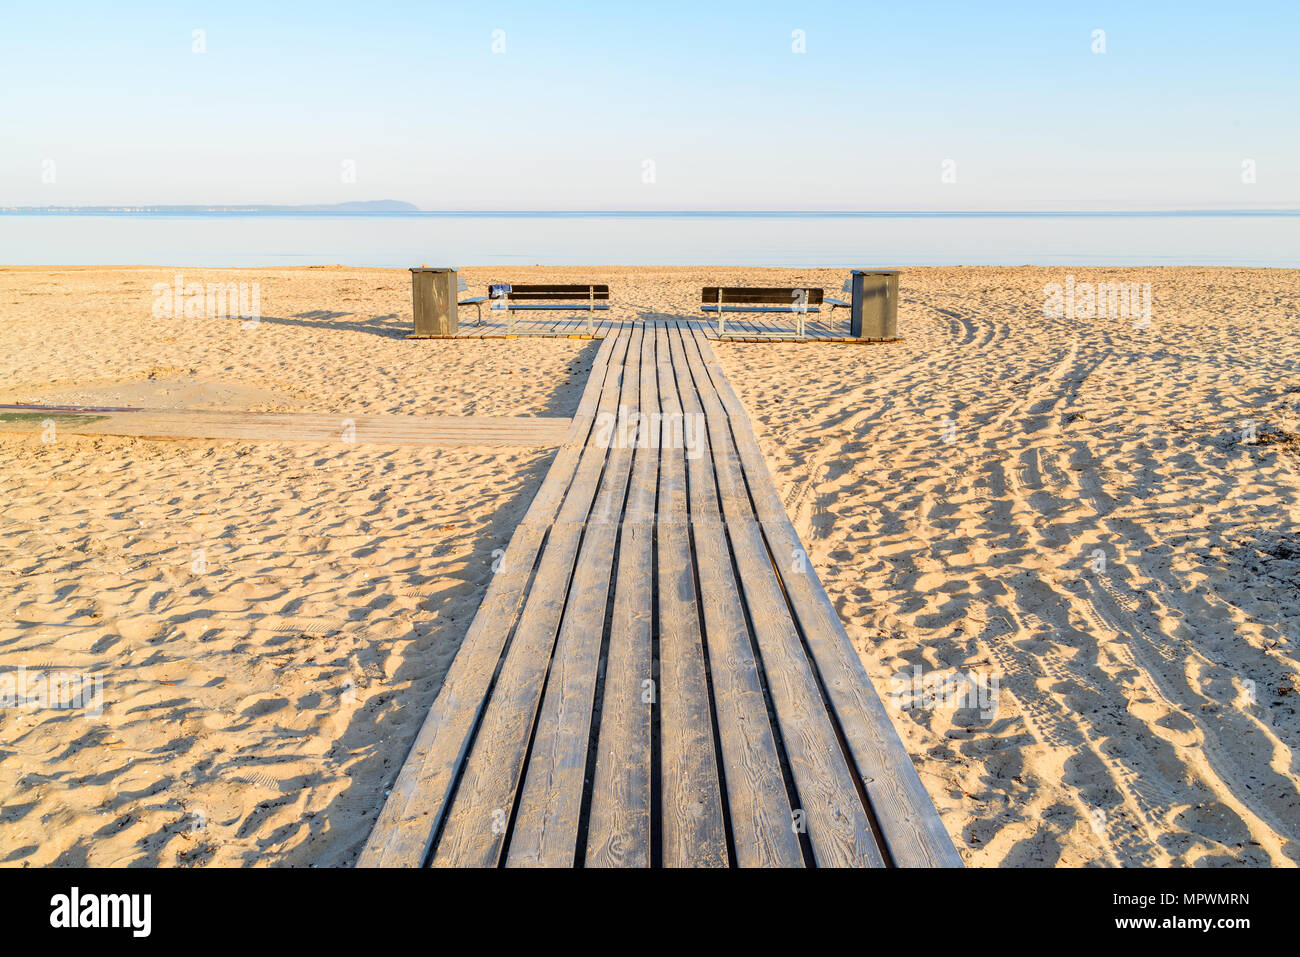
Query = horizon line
x=315 y=209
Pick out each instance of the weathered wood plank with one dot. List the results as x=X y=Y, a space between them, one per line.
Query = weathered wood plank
x=301 y=427
x=773 y=295
x=694 y=833
x=913 y=831
x=403 y=833
x=477 y=821
x=762 y=822
x=545 y=833
x=560 y=291
x=838 y=824
x=619 y=830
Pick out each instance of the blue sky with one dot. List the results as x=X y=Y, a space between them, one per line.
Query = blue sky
x=112 y=104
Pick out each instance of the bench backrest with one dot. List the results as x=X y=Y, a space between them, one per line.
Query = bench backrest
x=759 y=295
x=574 y=291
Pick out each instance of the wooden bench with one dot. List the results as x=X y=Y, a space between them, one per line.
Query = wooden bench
x=847 y=289
x=587 y=297
x=475 y=301
x=800 y=301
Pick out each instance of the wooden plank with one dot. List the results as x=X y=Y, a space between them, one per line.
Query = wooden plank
x=765 y=295
x=196 y=424
x=838 y=824
x=733 y=328
x=475 y=830
x=299 y=427
x=558 y=291
x=546 y=824
x=403 y=834
x=913 y=831
x=694 y=833
x=480 y=811
x=761 y=818
x=619 y=828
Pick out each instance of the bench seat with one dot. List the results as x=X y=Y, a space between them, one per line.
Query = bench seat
x=477 y=303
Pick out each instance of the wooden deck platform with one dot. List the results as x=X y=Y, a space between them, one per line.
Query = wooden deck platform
x=768 y=330
x=427 y=430
x=737 y=328
x=655 y=675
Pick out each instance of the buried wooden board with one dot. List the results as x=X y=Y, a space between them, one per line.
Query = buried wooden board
x=164 y=424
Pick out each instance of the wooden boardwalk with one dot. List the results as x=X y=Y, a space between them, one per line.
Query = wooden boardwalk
x=738 y=327
x=427 y=430
x=655 y=675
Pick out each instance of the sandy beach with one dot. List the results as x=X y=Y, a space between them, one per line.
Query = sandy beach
x=1093 y=518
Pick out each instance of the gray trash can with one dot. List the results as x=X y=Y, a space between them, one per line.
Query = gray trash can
x=433 y=298
x=874 y=313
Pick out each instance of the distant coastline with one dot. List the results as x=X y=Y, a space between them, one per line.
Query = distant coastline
x=363 y=207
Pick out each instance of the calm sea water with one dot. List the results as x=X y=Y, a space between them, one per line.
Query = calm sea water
x=742 y=239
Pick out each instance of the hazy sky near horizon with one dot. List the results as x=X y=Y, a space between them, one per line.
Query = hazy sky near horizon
x=667 y=105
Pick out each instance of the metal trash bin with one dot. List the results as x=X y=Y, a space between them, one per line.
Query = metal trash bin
x=874 y=311
x=433 y=299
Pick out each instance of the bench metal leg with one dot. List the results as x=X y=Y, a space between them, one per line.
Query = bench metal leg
x=720 y=323
x=591 y=308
